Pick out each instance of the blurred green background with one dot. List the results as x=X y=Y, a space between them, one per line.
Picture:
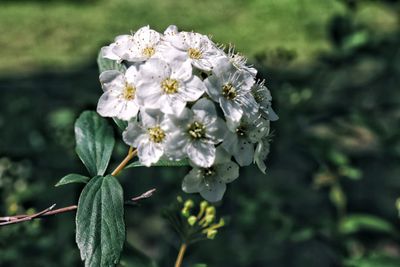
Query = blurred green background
x=328 y=199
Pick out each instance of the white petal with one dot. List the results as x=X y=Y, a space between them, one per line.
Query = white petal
x=149 y=152
x=228 y=172
x=244 y=152
x=202 y=154
x=175 y=145
x=112 y=80
x=231 y=109
x=221 y=156
x=172 y=105
x=109 y=105
x=216 y=130
x=129 y=110
x=106 y=52
x=193 y=90
x=213 y=87
x=133 y=134
x=171 y=30
x=204 y=108
x=151 y=117
x=214 y=192
x=193 y=181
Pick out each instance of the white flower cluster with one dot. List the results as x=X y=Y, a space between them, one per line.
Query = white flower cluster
x=186 y=98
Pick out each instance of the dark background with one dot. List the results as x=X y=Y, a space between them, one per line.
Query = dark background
x=333 y=175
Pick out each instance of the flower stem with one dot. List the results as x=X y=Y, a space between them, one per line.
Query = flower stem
x=182 y=251
x=131 y=153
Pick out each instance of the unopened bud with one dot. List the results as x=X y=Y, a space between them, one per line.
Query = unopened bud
x=192 y=220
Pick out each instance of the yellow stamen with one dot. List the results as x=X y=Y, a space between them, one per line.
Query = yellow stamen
x=129 y=92
x=229 y=91
x=156 y=134
x=148 y=51
x=170 y=86
x=194 y=53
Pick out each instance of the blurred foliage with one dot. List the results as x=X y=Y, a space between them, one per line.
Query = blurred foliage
x=329 y=195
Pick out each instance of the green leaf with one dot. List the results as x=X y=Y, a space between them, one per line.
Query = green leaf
x=121 y=124
x=100 y=227
x=94 y=142
x=355 y=223
x=108 y=64
x=73 y=178
x=162 y=163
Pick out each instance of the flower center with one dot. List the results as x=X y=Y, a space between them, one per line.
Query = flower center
x=194 y=53
x=258 y=97
x=170 y=86
x=241 y=130
x=208 y=171
x=148 y=51
x=197 y=130
x=129 y=92
x=229 y=91
x=156 y=134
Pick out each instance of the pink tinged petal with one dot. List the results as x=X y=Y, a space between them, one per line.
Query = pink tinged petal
x=244 y=152
x=149 y=152
x=201 y=154
x=134 y=134
x=231 y=109
x=228 y=172
x=214 y=192
x=193 y=181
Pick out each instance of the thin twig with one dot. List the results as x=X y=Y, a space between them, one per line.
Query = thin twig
x=131 y=153
x=144 y=195
x=49 y=211
x=29 y=217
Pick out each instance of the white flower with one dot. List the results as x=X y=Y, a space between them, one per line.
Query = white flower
x=107 y=51
x=148 y=135
x=197 y=132
x=232 y=91
x=211 y=182
x=119 y=97
x=168 y=87
x=139 y=47
x=261 y=153
x=242 y=137
x=263 y=97
x=196 y=48
x=240 y=62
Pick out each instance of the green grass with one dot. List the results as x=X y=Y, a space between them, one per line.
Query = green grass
x=62 y=35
